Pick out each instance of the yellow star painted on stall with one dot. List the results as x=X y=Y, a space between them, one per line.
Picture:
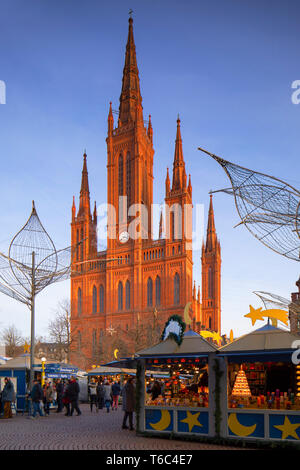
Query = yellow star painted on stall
x=288 y=428
x=255 y=314
x=26 y=347
x=192 y=420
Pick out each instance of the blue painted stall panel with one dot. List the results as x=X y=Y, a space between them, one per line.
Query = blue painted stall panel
x=283 y=426
x=159 y=420
x=246 y=424
x=195 y=422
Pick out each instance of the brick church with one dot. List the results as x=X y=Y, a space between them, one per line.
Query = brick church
x=137 y=277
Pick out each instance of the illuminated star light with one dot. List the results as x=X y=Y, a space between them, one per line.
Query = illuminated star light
x=255 y=314
x=192 y=420
x=288 y=428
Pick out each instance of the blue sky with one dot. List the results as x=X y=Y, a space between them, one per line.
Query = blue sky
x=226 y=66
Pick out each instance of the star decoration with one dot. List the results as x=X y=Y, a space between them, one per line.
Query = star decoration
x=255 y=314
x=288 y=428
x=217 y=337
x=192 y=420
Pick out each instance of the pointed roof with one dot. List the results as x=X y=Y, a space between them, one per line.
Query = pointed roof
x=191 y=344
x=130 y=98
x=211 y=236
x=179 y=175
x=84 y=202
x=265 y=338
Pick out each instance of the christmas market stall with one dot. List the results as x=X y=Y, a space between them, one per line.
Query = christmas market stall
x=263 y=385
x=17 y=369
x=181 y=401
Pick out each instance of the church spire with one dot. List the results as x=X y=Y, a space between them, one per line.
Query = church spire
x=130 y=108
x=211 y=238
x=179 y=175
x=84 y=202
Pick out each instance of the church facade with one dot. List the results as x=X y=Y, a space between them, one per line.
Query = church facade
x=137 y=277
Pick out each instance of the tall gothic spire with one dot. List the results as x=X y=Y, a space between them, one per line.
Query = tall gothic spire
x=130 y=108
x=84 y=202
x=179 y=175
x=211 y=237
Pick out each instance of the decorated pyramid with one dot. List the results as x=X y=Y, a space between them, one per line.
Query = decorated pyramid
x=241 y=387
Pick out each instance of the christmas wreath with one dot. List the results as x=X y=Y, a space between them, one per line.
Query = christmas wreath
x=174 y=329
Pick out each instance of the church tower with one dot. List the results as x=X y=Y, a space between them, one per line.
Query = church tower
x=136 y=282
x=211 y=276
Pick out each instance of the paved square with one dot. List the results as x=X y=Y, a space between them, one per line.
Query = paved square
x=90 y=431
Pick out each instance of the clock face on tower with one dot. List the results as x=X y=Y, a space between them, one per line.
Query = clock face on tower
x=124 y=237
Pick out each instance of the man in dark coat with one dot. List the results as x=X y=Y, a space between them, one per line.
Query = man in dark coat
x=37 y=395
x=59 y=395
x=128 y=397
x=73 y=393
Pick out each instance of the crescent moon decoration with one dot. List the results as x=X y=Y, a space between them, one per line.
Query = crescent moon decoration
x=239 y=429
x=187 y=318
x=267 y=206
x=164 y=421
x=116 y=353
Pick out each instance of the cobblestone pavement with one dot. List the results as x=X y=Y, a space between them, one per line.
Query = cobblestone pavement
x=90 y=431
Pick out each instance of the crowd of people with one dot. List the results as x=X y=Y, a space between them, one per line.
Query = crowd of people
x=103 y=394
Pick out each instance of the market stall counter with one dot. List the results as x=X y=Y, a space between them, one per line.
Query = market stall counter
x=180 y=401
x=263 y=386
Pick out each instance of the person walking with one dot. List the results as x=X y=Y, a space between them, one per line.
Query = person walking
x=115 y=390
x=100 y=395
x=73 y=392
x=8 y=396
x=93 y=394
x=59 y=395
x=36 y=395
x=107 y=395
x=128 y=397
x=48 y=398
x=66 y=398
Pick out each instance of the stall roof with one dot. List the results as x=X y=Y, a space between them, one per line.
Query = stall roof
x=20 y=362
x=192 y=344
x=103 y=370
x=268 y=338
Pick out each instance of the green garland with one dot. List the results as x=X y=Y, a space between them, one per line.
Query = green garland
x=218 y=412
x=138 y=393
x=176 y=338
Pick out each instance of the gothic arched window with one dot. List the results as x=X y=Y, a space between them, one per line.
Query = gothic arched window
x=176 y=289
x=157 y=291
x=127 y=295
x=79 y=302
x=101 y=299
x=120 y=296
x=94 y=310
x=149 y=292
x=209 y=323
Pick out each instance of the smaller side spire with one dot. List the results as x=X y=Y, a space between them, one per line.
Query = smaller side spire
x=161 y=225
x=179 y=174
x=189 y=188
x=150 y=130
x=73 y=210
x=211 y=237
x=84 y=202
x=95 y=213
x=167 y=183
x=110 y=120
